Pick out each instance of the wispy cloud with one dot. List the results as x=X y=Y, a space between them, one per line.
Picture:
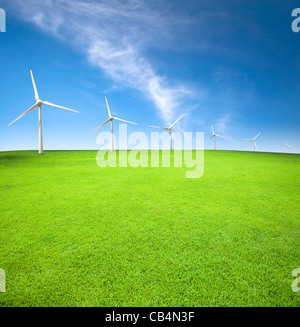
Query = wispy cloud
x=114 y=35
x=221 y=124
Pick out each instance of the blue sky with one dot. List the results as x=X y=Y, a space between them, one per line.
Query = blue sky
x=233 y=64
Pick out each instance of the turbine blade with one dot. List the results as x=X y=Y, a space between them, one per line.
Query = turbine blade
x=176 y=121
x=126 y=121
x=109 y=114
x=212 y=130
x=56 y=106
x=173 y=135
x=26 y=112
x=246 y=139
x=100 y=126
x=166 y=128
x=36 y=95
x=210 y=137
x=255 y=145
x=220 y=136
x=257 y=135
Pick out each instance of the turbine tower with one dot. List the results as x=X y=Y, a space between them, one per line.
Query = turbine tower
x=287 y=146
x=253 y=141
x=170 y=129
x=39 y=104
x=111 y=119
x=214 y=136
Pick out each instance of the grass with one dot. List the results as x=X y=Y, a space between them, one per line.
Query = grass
x=75 y=234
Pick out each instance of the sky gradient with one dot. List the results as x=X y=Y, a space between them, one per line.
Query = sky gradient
x=233 y=64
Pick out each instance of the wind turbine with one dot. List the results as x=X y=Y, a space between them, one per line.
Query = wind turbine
x=214 y=136
x=39 y=104
x=287 y=146
x=110 y=119
x=170 y=129
x=253 y=141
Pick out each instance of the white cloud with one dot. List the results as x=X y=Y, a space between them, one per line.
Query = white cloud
x=221 y=124
x=114 y=35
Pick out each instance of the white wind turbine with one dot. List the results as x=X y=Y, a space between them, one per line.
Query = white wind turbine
x=253 y=141
x=170 y=129
x=39 y=104
x=287 y=146
x=214 y=136
x=110 y=119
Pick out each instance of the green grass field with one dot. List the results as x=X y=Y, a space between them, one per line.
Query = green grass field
x=75 y=234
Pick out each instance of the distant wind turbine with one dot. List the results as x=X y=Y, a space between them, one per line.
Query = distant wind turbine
x=214 y=136
x=253 y=141
x=170 y=129
x=287 y=146
x=39 y=104
x=110 y=119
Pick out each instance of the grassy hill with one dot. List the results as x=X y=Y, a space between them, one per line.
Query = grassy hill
x=75 y=234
